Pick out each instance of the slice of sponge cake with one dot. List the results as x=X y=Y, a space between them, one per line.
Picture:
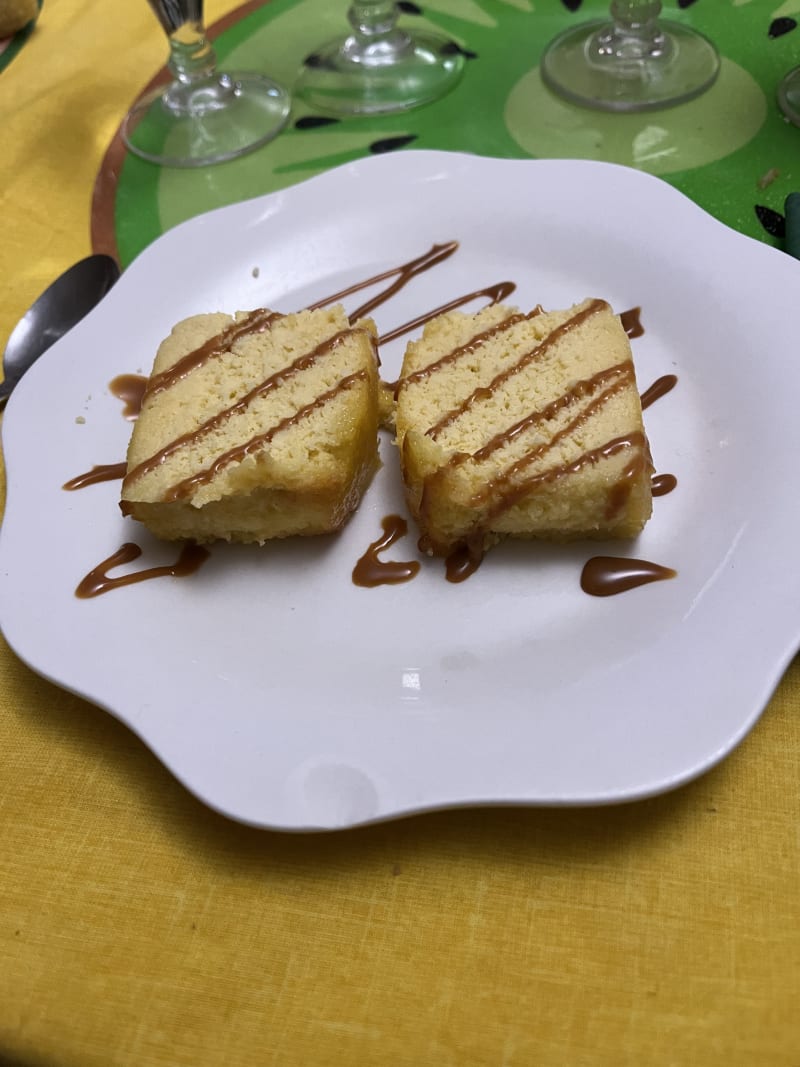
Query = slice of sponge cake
x=255 y=427
x=524 y=425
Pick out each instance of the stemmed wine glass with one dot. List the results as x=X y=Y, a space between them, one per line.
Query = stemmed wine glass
x=204 y=115
x=378 y=67
x=634 y=62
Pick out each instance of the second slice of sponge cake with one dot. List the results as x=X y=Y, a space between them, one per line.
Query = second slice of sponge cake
x=255 y=427
x=524 y=425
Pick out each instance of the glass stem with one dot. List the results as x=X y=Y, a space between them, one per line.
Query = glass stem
x=191 y=57
x=376 y=39
x=635 y=33
x=192 y=64
x=372 y=20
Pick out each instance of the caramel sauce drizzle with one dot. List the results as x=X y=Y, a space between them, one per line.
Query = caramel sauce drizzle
x=532 y=356
x=402 y=274
x=495 y=293
x=503 y=492
x=97 y=581
x=461 y=563
x=463 y=350
x=597 y=402
x=620 y=375
x=273 y=382
x=234 y=455
x=101 y=472
x=220 y=345
x=609 y=575
x=466 y=559
x=510 y=493
x=504 y=489
x=660 y=387
x=129 y=388
x=632 y=323
x=621 y=490
x=661 y=484
x=602 y=576
x=371 y=571
x=585 y=387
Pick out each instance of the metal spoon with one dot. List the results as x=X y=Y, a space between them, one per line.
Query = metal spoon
x=60 y=307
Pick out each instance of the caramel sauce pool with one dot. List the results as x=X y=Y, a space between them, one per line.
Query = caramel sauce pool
x=609 y=575
x=129 y=388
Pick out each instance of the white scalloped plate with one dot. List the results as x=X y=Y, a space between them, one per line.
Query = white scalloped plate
x=287 y=697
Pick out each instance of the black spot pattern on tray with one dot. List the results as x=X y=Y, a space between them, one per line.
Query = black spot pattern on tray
x=572 y=5
x=772 y=221
x=408 y=8
x=686 y=3
x=390 y=144
x=778 y=27
x=313 y=60
x=450 y=48
x=313 y=122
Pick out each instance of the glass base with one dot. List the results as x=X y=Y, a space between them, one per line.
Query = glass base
x=682 y=66
x=346 y=78
x=208 y=121
x=789 y=96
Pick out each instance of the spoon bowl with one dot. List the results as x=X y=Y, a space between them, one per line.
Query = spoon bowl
x=60 y=307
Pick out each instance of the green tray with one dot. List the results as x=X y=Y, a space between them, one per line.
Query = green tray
x=730 y=150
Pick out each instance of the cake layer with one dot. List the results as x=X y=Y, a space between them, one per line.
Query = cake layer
x=255 y=427
x=527 y=425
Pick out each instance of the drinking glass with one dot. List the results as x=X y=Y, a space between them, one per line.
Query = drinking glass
x=634 y=62
x=204 y=115
x=789 y=96
x=378 y=67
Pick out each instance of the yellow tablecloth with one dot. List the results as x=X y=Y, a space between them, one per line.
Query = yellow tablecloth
x=138 y=928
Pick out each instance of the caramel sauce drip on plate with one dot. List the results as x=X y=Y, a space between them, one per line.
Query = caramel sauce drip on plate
x=98 y=581
x=101 y=472
x=461 y=563
x=609 y=575
x=632 y=323
x=129 y=388
x=402 y=275
x=495 y=293
x=661 y=484
x=660 y=387
x=371 y=570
